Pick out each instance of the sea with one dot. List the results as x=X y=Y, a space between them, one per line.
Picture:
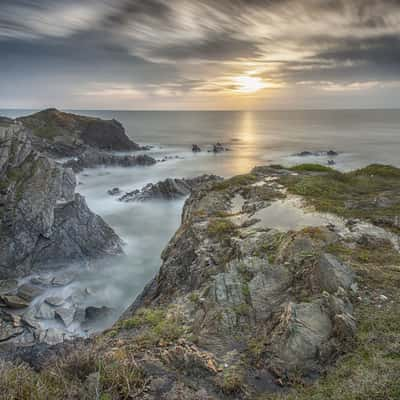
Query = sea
x=360 y=137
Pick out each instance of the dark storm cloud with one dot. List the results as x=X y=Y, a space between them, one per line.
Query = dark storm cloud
x=187 y=44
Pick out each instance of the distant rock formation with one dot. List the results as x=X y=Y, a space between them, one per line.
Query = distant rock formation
x=330 y=153
x=169 y=189
x=93 y=158
x=63 y=134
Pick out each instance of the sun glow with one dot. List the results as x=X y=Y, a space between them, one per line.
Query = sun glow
x=249 y=84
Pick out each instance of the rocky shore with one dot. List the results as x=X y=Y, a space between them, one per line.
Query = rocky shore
x=279 y=284
x=45 y=226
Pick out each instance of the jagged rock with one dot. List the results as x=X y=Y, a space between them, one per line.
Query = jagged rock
x=54 y=301
x=331 y=162
x=93 y=314
x=8 y=331
x=50 y=336
x=45 y=311
x=64 y=135
x=29 y=292
x=114 y=191
x=169 y=189
x=219 y=148
x=196 y=148
x=8 y=285
x=44 y=223
x=66 y=315
x=14 y=302
x=94 y=158
x=330 y=274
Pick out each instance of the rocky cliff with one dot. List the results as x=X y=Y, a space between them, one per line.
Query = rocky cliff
x=64 y=135
x=42 y=221
x=274 y=279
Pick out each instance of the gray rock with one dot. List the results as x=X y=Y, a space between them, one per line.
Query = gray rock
x=50 y=336
x=330 y=274
x=93 y=314
x=8 y=285
x=94 y=158
x=8 y=331
x=169 y=189
x=196 y=148
x=114 y=191
x=63 y=279
x=66 y=315
x=54 y=301
x=45 y=311
x=14 y=302
x=29 y=292
x=43 y=223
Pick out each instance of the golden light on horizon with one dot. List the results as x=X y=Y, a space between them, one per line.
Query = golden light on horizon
x=249 y=84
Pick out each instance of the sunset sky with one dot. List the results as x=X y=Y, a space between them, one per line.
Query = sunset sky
x=182 y=54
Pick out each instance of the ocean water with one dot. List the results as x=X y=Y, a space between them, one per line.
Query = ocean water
x=254 y=138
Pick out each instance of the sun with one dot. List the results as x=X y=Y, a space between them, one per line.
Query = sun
x=248 y=84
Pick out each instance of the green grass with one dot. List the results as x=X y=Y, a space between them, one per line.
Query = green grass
x=236 y=181
x=350 y=194
x=311 y=168
x=220 y=228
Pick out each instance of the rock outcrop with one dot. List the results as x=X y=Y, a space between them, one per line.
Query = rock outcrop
x=63 y=134
x=42 y=221
x=93 y=158
x=169 y=189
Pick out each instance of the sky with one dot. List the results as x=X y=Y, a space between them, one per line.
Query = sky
x=203 y=54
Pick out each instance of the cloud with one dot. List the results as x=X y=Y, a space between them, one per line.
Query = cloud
x=199 y=46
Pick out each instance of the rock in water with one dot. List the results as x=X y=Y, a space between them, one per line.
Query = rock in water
x=93 y=314
x=41 y=219
x=64 y=135
x=14 y=302
x=44 y=311
x=114 y=191
x=169 y=189
x=29 y=292
x=196 y=148
x=54 y=301
x=66 y=315
x=93 y=158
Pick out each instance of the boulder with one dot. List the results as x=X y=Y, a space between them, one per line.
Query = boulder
x=330 y=274
x=196 y=148
x=54 y=301
x=8 y=331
